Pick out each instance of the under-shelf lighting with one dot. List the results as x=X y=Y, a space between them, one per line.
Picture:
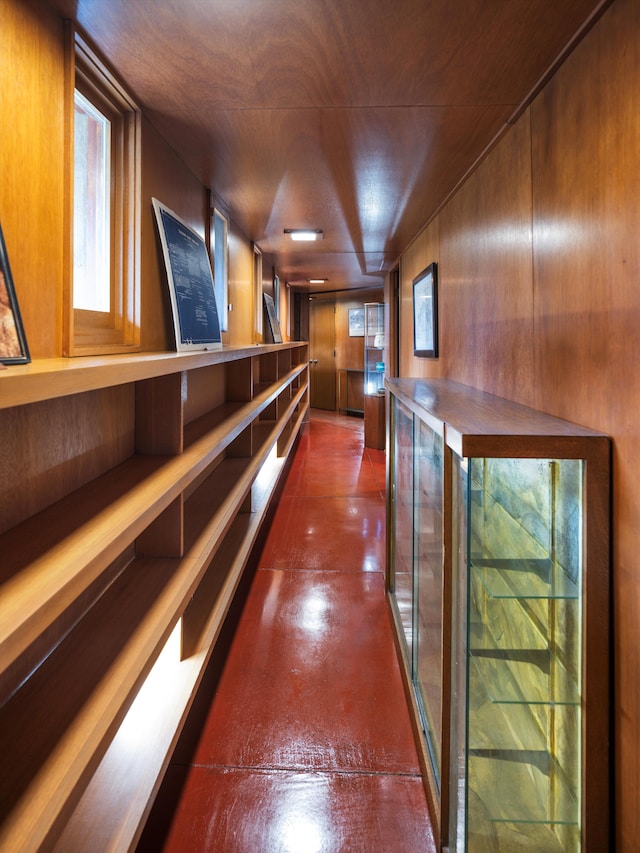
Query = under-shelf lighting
x=300 y=234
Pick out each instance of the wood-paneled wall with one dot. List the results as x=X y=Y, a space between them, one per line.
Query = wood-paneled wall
x=32 y=188
x=539 y=292
x=32 y=157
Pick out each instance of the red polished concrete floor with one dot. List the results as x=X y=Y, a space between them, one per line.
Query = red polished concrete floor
x=307 y=745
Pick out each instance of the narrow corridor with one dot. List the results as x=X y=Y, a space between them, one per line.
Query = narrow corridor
x=307 y=746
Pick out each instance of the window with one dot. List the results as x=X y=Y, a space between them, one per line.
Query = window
x=91 y=206
x=104 y=209
x=257 y=294
x=220 y=251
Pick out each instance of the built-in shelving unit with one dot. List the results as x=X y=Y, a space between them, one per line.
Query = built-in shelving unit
x=498 y=576
x=132 y=490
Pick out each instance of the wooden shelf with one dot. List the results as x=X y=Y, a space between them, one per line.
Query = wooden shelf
x=93 y=587
x=46 y=379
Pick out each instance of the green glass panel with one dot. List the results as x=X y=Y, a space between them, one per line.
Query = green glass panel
x=523 y=634
x=457 y=714
x=428 y=568
x=401 y=527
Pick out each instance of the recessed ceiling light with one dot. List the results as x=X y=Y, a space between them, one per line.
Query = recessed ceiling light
x=304 y=233
x=317 y=280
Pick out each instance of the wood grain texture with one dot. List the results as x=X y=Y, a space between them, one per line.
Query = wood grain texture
x=52 y=572
x=350 y=350
x=51 y=448
x=424 y=250
x=118 y=796
x=485 y=293
x=165 y=177
x=159 y=414
x=53 y=558
x=240 y=289
x=581 y=359
x=586 y=193
x=326 y=117
x=31 y=186
x=205 y=390
x=374 y=421
x=68 y=734
x=48 y=379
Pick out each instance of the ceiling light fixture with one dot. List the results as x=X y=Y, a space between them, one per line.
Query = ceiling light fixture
x=317 y=280
x=304 y=233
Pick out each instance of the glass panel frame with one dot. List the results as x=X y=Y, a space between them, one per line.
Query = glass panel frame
x=428 y=572
x=524 y=654
x=401 y=540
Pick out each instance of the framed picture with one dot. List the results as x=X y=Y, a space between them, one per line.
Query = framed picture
x=274 y=323
x=356 y=322
x=425 y=313
x=13 y=344
x=190 y=279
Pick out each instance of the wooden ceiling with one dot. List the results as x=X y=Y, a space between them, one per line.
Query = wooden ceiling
x=358 y=118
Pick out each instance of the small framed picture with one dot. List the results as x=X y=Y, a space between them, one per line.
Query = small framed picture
x=13 y=344
x=272 y=318
x=425 y=313
x=356 y=322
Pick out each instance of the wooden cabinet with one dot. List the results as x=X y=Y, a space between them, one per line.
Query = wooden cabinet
x=374 y=421
x=132 y=489
x=498 y=575
x=350 y=391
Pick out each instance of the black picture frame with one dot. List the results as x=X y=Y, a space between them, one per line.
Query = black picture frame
x=13 y=342
x=194 y=311
x=425 y=312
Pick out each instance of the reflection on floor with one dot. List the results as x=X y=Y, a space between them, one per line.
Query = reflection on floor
x=307 y=744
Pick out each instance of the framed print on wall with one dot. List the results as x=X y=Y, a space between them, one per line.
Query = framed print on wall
x=425 y=312
x=13 y=344
x=356 y=322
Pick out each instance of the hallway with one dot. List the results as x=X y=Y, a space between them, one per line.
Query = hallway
x=307 y=746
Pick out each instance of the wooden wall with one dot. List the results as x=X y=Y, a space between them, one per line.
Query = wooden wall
x=32 y=189
x=539 y=272
x=31 y=177
x=349 y=351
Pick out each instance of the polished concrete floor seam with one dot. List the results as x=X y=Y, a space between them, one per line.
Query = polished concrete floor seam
x=320 y=771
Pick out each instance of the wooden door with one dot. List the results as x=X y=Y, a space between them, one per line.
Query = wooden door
x=322 y=355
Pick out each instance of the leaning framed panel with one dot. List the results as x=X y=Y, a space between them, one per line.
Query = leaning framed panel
x=13 y=343
x=272 y=317
x=191 y=289
x=425 y=312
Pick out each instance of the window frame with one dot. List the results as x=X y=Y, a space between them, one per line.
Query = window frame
x=88 y=332
x=220 y=255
